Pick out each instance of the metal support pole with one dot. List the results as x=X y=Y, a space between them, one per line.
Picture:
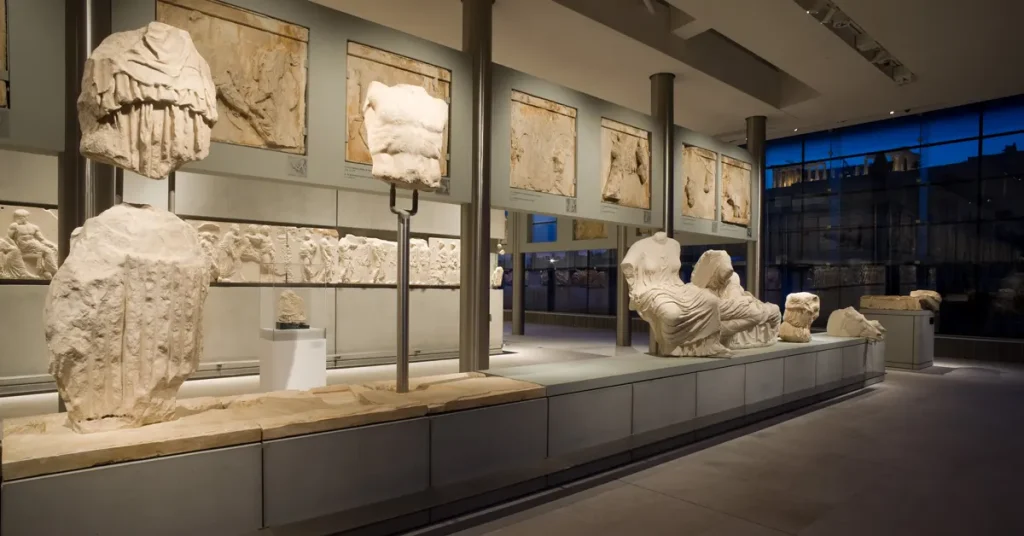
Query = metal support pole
x=474 y=312
x=756 y=134
x=623 y=328
x=518 y=274
x=663 y=112
x=402 y=375
x=172 y=184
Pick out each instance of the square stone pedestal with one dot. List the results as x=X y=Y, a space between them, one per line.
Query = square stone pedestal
x=909 y=337
x=293 y=359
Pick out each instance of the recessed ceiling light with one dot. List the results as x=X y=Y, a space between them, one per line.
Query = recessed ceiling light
x=808 y=11
x=795 y=129
x=892 y=112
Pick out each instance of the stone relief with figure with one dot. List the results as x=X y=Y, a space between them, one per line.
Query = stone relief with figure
x=26 y=251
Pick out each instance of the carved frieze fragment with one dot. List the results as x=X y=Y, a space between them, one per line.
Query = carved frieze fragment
x=543 y=157
x=259 y=65
x=699 y=173
x=625 y=165
x=735 y=191
x=26 y=249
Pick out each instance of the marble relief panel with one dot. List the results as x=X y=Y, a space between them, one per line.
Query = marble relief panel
x=625 y=165
x=367 y=64
x=543 y=157
x=735 y=191
x=259 y=65
x=589 y=230
x=28 y=248
x=699 y=172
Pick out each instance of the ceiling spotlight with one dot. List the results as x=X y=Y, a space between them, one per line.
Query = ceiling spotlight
x=892 y=112
x=808 y=11
x=795 y=129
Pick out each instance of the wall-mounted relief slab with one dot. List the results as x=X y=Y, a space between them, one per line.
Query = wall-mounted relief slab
x=735 y=191
x=699 y=182
x=589 y=230
x=368 y=64
x=255 y=253
x=445 y=261
x=259 y=65
x=543 y=155
x=27 y=250
x=625 y=165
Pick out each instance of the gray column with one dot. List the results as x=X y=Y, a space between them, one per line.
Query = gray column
x=476 y=216
x=623 y=329
x=516 y=241
x=663 y=112
x=663 y=137
x=756 y=134
x=84 y=188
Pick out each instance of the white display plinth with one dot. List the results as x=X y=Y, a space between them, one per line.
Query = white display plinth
x=293 y=359
x=909 y=337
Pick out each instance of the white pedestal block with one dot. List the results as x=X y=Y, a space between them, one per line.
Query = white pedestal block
x=292 y=359
x=909 y=337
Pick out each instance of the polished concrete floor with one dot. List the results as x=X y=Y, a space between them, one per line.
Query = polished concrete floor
x=939 y=452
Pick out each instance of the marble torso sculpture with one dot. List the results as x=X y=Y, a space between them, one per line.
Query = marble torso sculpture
x=684 y=319
x=746 y=321
x=850 y=323
x=291 y=311
x=148 y=101
x=123 y=318
x=33 y=245
x=802 y=309
x=404 y=131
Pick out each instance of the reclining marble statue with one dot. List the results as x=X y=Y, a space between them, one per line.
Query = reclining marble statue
x=746 y=321
x=123 y=314
x=684 y=319
x=148 y=101
x=802 y=309
x=850 y=323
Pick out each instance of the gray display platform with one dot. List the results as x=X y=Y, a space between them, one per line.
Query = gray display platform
x=598 y=414
x=909 y=335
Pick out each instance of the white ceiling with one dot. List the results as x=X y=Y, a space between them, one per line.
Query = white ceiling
x=960 y=51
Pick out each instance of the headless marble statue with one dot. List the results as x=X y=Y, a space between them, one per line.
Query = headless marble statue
x=684 y=319
x=746 y=321
x=802 y=309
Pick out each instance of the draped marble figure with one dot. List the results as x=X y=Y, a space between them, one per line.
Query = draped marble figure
x=746 y=321
x=684 y=319
x=802 y=309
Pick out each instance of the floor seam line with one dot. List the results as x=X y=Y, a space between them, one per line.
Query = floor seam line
x=734 y=516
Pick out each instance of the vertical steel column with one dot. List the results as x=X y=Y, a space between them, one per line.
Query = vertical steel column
x=663 y=112
x=756 y=134
x=516 y=240
x=623 y=328
x=402 y=373
x=84 y=188
x=476 y=216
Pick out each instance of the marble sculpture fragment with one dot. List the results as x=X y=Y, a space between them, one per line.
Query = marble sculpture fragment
x=404 y=131
x=496 y=277
x=735 y=191
x=367 y=65
x=930 y=300
x=802 y=309
x=148 y=101
x=746 y=321
x=589 y=230
x=123 y=318
x=419 y=262
x=625 y=165
x=355 y=260
x=259 y=66
x=700 y=169
x=543 y=152
x=684 y=319
x=890 y=303
x=291 y=311
x=850 y=323
x=26 y=251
